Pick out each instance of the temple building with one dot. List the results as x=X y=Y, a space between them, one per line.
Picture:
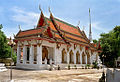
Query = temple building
x=54 y=42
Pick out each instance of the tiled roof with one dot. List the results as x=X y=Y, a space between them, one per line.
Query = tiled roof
x=68 y=31
x=29 y=32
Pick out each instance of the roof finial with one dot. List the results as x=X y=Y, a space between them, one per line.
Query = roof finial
x=40 y=8
x=49 y=10
x=90 y=33
x=78 y=23
x=19 y=27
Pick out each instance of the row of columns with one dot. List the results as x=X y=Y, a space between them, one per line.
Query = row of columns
x=39 y=55
x=31 y=55
x=86 y=62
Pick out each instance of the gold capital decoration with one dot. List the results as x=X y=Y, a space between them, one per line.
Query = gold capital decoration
x=75 y=46
x=58 y=46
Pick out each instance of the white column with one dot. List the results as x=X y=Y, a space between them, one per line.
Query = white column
x=86 y=58
x=68 y=59
x=74 y=57
x=18 y=54
x=80 y=58
x=55 y=50
x=24 y=54
x=31 y=56
x=39 y=54
x=90 y=59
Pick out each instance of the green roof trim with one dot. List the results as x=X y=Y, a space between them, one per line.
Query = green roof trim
x=62 y=22
x=66 y=23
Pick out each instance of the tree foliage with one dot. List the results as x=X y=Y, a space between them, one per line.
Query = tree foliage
x=110 y=43
x=4 y=48
x=95 y=41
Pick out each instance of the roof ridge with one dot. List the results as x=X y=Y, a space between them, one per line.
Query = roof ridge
x=32 y=29
x=62 y=22
x=65 y=22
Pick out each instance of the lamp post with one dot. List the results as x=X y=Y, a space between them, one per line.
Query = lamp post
x=11 y=44
x=103 y=56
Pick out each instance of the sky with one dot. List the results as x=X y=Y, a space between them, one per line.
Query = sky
x=105 y=14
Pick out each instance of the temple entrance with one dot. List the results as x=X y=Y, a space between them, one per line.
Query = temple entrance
x=64 y=56
x=28 y=54
x=71 y=56
x=88 y=58
x=77 y=58
x=83 y=58
x=48 y=55
x=44 y=53
x=35 y=54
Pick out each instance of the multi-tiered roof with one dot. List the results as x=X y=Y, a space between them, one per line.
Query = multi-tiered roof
x=55 y=31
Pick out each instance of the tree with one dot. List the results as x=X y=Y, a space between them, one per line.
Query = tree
x=4 y=48
x=110 y=43
x=95 y=41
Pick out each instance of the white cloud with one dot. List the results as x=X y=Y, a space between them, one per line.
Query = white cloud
x=28 y=19
x=96 y=25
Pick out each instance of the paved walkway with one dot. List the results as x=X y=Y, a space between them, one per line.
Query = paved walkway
x=73 y=75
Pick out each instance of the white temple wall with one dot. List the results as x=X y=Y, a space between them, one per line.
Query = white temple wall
x=93 y=57
x=54 y=53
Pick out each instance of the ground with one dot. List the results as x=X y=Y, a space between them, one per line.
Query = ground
x=73 y=75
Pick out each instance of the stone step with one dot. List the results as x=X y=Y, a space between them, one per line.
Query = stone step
x=2 y=64
x=1 y=70
x=2 y=67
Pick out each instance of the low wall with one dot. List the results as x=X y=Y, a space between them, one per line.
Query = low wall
x=113 y=75
x=6 y=61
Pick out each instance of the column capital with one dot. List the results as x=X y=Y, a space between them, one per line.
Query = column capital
x=39 y=44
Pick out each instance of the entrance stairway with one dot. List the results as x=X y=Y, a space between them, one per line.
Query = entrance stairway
x=2 y=67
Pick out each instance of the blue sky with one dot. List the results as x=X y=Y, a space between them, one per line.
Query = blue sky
x=105 y=14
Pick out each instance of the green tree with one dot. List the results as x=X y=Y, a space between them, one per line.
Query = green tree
x=110 y=43
x=95 y=41
x=4 y=48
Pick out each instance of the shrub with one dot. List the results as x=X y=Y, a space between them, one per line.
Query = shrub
x=75 y=66
x=88 y=65
x=14 y=58
x=68 y=67
x=95 y=64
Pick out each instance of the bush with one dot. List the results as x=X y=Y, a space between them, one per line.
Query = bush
x=14 y=58
x=68 y=67
x=75 y=66
x=7 y=61
x=95 y=64
x=88 y=65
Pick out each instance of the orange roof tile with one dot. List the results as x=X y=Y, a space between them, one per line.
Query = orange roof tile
x=77 y=38
x=69 y=30
x=29 y=32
